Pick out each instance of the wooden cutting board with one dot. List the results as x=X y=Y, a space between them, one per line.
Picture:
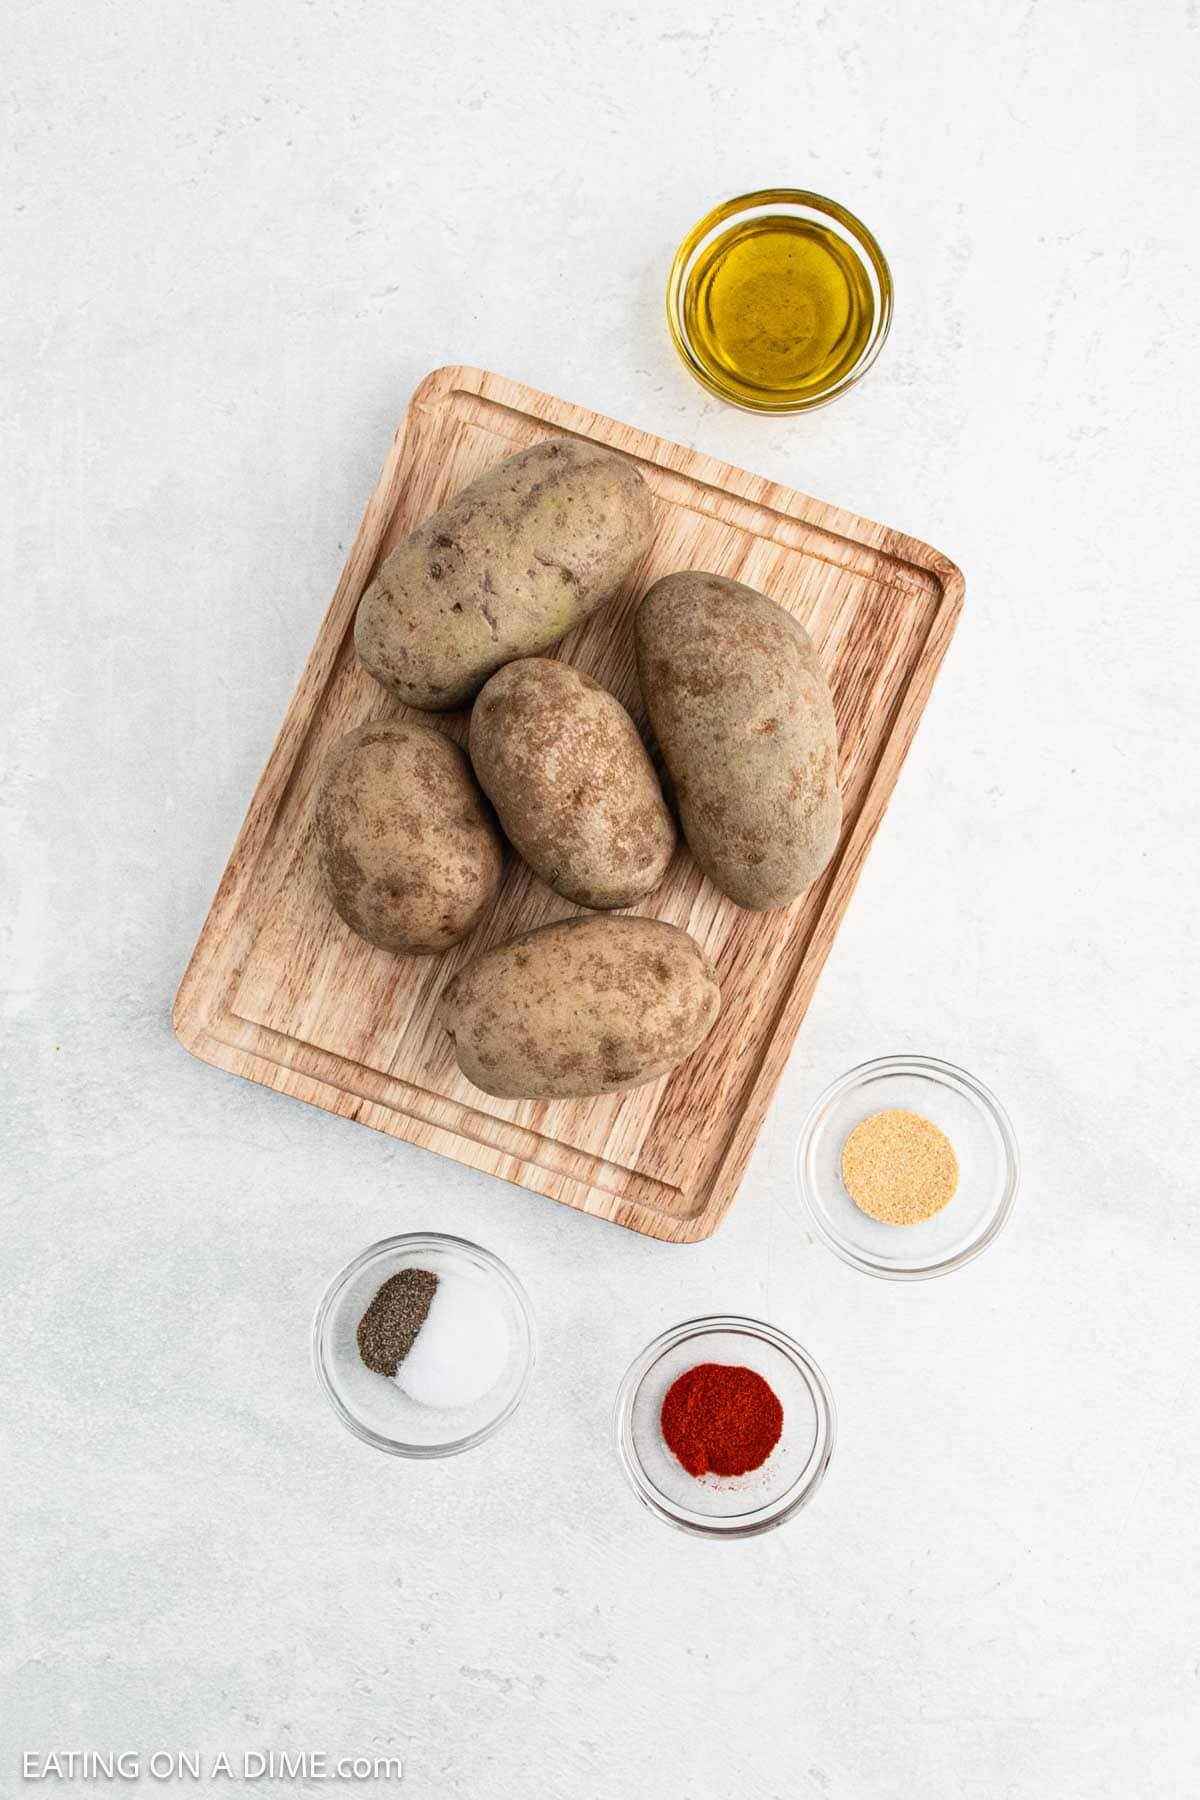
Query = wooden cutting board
x=279 y=990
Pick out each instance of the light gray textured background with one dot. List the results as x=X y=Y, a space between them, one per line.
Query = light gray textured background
x=235 y=236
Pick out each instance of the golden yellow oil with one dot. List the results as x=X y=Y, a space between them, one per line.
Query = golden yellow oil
x=779 y=309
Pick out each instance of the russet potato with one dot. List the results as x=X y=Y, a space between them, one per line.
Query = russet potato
x=583 y=1006
x=408 y=849
x=562 y=763
x=744 y=717
x=507 y=568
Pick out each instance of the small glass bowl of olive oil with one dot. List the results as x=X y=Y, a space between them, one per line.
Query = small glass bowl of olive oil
x=779 y=301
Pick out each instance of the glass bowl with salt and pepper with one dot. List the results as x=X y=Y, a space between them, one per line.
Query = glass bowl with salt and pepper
x=424 y=1345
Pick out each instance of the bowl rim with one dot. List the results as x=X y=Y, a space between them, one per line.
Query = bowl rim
x=406 y=1242
x=866 y=245
x=774 y=1512
x=945 y=1073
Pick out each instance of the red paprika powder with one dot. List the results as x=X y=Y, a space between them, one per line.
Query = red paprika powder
x=721 y=1420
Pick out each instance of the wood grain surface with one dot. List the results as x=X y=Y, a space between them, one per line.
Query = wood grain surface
x=281 y=991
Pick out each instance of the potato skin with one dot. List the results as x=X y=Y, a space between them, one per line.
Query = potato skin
x=408 y=849
x=583 y=1006
x=744 y=717
x=562 y=763
x=507 y=568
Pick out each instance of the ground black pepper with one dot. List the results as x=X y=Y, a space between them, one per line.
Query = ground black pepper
x=388 y=1328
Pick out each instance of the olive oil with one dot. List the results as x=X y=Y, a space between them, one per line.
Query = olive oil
x=779 y=310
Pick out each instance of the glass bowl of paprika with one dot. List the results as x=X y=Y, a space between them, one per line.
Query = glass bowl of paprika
x=725 y=1427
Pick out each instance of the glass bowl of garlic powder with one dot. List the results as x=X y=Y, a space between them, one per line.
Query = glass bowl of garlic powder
x=424 y=1345
x=907 y=1167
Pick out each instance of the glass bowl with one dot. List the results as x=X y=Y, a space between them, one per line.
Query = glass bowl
x=715 y=1506
x=373 y=1406
x=975 y=1123
x=856 y=245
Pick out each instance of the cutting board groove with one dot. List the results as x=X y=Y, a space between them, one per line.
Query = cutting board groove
x=280 y=991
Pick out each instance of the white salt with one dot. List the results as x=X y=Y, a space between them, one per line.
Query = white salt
x=460 y=1351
